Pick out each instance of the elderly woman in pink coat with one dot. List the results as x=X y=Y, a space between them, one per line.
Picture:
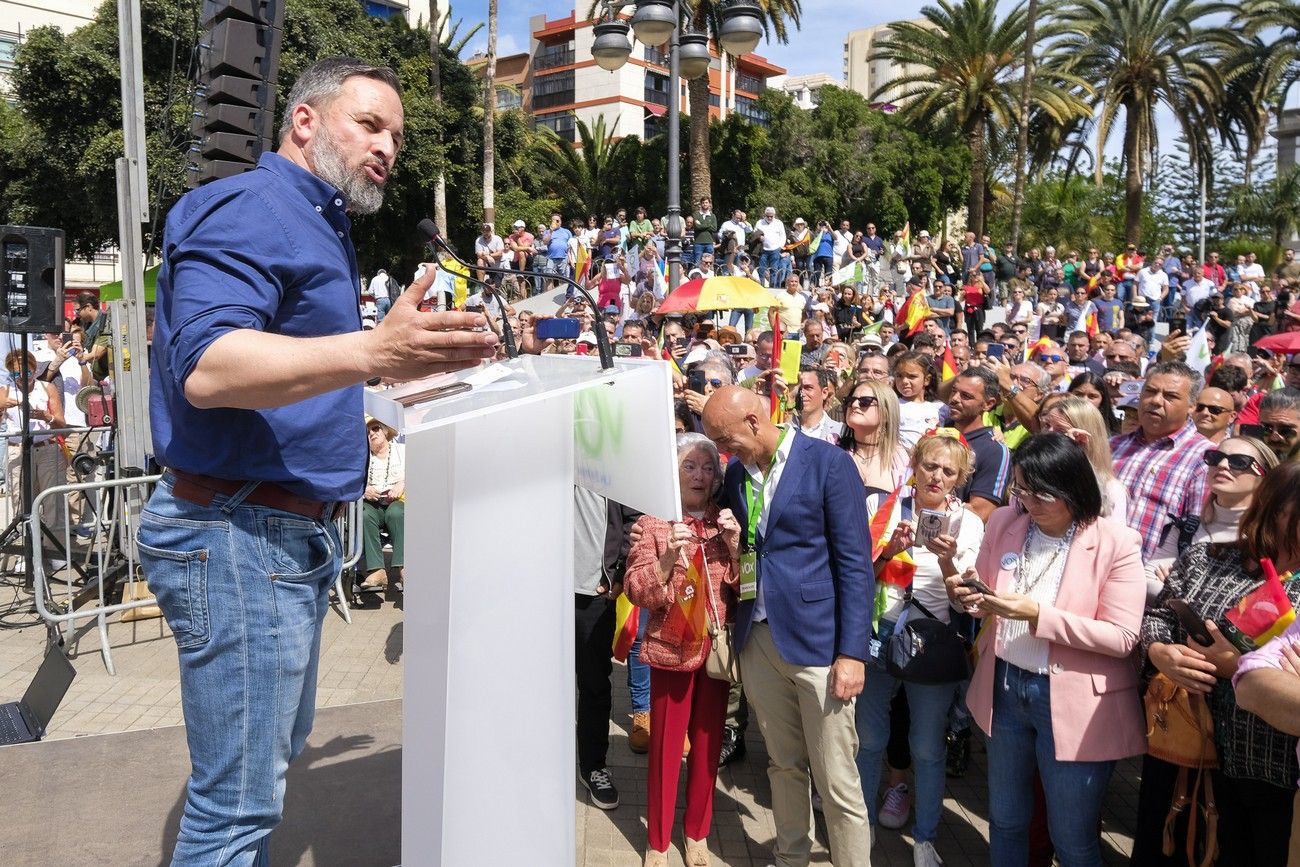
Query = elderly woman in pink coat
x=1056 y=687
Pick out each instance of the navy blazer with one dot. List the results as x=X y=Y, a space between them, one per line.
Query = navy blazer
x=814 y=561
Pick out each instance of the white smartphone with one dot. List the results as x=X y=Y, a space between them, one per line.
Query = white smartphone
x=931 y=524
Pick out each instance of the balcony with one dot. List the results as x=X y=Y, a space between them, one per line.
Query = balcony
x=657 y=54
x=554 y=55
x=749 y=83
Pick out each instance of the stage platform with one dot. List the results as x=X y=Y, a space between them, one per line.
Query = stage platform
x=116 y=799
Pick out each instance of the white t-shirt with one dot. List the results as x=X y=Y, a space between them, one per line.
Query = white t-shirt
x=915 y=418
x=1152 y=284
x=493 y=245
x=773 y=234
x=1251 y=272
x=737 y=228
x=70 y=370
x=841 y=242
x=1195 y=292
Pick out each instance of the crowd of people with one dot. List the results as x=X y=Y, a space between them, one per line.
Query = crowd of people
x=1047 y=491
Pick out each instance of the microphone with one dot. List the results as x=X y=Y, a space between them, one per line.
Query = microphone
x=430 y=230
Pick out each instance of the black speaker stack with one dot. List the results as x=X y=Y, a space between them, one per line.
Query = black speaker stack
x=31 y=280
x=234 y=103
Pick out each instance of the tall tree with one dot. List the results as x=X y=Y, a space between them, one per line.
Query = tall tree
x=1275 y=204
x=590 y=178
x=435 y=90
x=1022 y=131
x=1139 y=55
x=489 y=118
x=966 y=80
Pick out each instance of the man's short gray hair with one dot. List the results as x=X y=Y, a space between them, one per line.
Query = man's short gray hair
x=1281 y=400
x=1041 y=377
x=721 y=362
x=321 y=82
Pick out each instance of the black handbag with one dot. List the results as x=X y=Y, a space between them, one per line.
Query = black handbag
x=926 y=650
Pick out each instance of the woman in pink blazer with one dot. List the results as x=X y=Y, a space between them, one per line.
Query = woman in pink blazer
x=1056 y=686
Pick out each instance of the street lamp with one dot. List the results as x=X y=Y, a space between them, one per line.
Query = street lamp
x=656 y=22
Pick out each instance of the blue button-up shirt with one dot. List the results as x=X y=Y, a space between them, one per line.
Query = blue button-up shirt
x=267 y=250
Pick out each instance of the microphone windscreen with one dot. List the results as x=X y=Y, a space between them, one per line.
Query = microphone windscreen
x=429 y=229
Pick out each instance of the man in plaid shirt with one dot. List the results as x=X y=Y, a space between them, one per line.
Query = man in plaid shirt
x=1161 y=463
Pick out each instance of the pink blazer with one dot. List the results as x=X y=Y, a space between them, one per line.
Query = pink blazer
x=1093 y=628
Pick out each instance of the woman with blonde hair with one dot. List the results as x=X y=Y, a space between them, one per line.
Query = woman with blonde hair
x=871 y=423
x=1081 y=421
x=941 y=462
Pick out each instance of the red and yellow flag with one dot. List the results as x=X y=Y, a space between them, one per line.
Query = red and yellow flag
x=913 y=313
x=627 y=620
x=1090 y=324
x=1262 y=614
x=581 y=263
x=949 y=365
x=691 y=612
x=901 y=568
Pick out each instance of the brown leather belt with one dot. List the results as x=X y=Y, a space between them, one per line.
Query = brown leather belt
x=201 y=490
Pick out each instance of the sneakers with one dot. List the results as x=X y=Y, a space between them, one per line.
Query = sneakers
x=733 y=746
x=639 y=740
x=924 y=855
x=958 y=753
x=897 y=808
x=601 y=786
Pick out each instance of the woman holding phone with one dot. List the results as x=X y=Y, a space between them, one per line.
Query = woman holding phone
x=1055 y=688
x=949 y=537
x=1254 y=786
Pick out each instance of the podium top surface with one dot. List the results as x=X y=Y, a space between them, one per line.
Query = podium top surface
x=497 y=387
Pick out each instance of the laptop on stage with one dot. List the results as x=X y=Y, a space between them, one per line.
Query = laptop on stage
x=25 y=721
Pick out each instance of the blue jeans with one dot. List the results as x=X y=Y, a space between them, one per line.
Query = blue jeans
x=382 y=306
x=244 y=590
x=747 y=315
x=928 y=709
x=638 y=672
x=700 y=250
x=769 y=267
x=1022 y=740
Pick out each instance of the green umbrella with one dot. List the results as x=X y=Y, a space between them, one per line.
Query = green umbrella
x=113 y=291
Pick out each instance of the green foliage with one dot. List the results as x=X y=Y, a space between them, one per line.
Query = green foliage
x=596 y=177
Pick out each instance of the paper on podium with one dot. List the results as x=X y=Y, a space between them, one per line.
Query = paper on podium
x=622 y=418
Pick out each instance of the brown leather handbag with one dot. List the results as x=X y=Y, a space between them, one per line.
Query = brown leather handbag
x=1180 y=731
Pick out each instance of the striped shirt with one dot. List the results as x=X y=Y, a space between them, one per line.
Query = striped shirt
x=1165 y=479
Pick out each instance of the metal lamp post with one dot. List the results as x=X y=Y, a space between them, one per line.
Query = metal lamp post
x=656 y=22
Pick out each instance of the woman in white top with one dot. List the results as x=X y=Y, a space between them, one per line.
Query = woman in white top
x=1081 y=421
x=1019 y=310
x=1236 y=467
x=940 y=464
x=384 y=505
x=49 y=466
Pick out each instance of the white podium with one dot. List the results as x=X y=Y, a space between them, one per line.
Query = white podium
x=488 y=761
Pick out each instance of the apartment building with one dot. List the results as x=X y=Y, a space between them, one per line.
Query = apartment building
x=868 y=76
x=803 y=88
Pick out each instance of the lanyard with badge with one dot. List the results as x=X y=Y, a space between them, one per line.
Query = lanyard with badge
x=754 y=500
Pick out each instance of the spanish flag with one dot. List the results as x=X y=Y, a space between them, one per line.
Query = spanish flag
x=949 y=365
x=581 y=263
x=690 y=610
x=1090 y=323
x=906 y=241
x=913 y=313
x=627 y=620
x=900 y=569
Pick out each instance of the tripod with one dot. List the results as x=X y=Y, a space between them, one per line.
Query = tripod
x=20 y=526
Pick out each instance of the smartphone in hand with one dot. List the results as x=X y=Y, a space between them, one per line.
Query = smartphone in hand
x=1191 y=622
x=974 y=583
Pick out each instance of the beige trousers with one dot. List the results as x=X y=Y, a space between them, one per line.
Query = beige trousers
x=49 y=468
x=804 y=726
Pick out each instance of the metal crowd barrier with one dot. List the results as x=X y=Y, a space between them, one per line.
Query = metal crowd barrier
x=114 y=554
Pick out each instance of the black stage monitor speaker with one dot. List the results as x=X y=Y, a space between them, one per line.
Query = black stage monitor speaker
x=31 y=279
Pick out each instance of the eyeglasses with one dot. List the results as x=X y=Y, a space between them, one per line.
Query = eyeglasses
x=1286 y=431
x=863 y=401
x=1011 y=346
x=1020 y=330
x=1051 y=359
x=1236 y=463
x=1215 y=411
x=1023 y=494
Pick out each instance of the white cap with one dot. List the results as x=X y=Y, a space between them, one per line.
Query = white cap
x=695 y=355
x=519 y=224
x=587 y=337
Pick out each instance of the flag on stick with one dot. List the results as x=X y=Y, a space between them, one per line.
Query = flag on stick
x=913 y=313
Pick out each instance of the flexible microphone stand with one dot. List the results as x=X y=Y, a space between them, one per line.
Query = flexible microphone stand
x=430 y=230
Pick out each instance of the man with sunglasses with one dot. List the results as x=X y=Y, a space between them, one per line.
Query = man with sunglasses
x=1052 y=358
x=1279 y=417
x=1160 y=463
x=1214 y=414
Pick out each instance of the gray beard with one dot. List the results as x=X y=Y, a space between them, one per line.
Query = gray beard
x=363 y=195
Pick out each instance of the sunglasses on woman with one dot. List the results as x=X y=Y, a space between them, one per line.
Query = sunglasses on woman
x=1236 y=463
x=863 y=401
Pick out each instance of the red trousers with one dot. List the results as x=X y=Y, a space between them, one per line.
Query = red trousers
x=681 y=703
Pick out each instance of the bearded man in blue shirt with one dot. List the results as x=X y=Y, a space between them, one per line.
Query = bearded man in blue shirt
x=256 y=409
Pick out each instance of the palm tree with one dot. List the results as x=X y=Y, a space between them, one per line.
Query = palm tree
x=489 y=118
x=1022 y=133
x=1139 y=55
x=439 y=42
x=966 y=79
x=1257 y=75
x=592 y=175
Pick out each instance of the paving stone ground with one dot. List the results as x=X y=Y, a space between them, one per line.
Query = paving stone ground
x=362 y=662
